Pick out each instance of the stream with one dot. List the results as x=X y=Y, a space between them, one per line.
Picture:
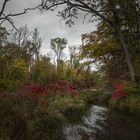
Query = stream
x=100 y=123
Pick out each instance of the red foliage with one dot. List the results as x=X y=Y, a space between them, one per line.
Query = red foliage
x=61 y=87
x=119 y=91
x=65 y=87
x=37 y=89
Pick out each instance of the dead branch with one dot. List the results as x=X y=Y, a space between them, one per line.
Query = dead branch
x=8 y=17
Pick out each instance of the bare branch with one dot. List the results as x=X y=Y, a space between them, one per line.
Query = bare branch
x=96 y=12
x=3 y=7
x=21 y=13
x=2 y=21
x=4 y=17
x=44 y=5
x=79 y=4
x=10 y=21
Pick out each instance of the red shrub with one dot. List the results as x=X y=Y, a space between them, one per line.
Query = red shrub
x=31 y=89
x=62 y=87
x=119 y=91
x=65 y=87
x=37 y=89
x=51 y=88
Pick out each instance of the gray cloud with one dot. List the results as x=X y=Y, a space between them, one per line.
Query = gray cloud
x=48 y=24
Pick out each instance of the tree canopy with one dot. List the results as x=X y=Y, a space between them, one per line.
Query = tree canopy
x=115 y=13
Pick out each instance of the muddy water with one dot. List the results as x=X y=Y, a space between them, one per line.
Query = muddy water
x=100 y=123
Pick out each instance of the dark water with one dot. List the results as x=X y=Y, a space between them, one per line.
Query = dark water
x=102 y=124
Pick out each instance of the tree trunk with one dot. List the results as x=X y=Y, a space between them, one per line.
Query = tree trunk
x=117 y=26
x=126 y=52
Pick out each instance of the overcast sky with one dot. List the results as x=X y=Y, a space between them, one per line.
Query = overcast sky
x=48 y=23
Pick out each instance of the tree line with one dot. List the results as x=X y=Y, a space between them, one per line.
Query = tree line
x=22 y=61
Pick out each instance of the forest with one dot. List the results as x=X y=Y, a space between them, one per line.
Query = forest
x=40 y=94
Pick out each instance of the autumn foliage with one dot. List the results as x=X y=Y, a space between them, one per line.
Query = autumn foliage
x=61 y=87
x=119 y=91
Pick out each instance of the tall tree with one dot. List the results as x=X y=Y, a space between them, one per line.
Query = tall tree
x=36 y=43
x=101 y=47
x=29 y=42
x=3 y=36
x=21 y=37
x=72 y=53
x=107 y=10
x=58 y=45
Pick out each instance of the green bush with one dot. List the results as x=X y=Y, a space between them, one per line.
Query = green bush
x=113 y=103
x=103 y=97
x=130 y=104
x=123 y=105
x=89 y=96
x=8 y=85
x=134 y=105
x=132 y=89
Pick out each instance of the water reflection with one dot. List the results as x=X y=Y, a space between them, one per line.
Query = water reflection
x=103 y=124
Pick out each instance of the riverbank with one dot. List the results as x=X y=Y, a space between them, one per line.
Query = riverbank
x=129 y=104
x=31 y=115
x=28 y=118
x=34 y=117
x=39 y=117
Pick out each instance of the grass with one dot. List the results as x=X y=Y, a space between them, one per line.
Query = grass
x=98 y=97
x=28 y=118
x=130 y=104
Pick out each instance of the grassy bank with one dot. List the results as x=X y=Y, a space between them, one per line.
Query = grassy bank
x=130 y=104
x=39 y=111
x=43 y=116
x=27 y=118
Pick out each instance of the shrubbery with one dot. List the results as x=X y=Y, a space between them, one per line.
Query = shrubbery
x=130 y=104
x=25 y=118
x=119 y=91
x=8 y=85
x=126 y=97
x=39 y=111
x=61 y=87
